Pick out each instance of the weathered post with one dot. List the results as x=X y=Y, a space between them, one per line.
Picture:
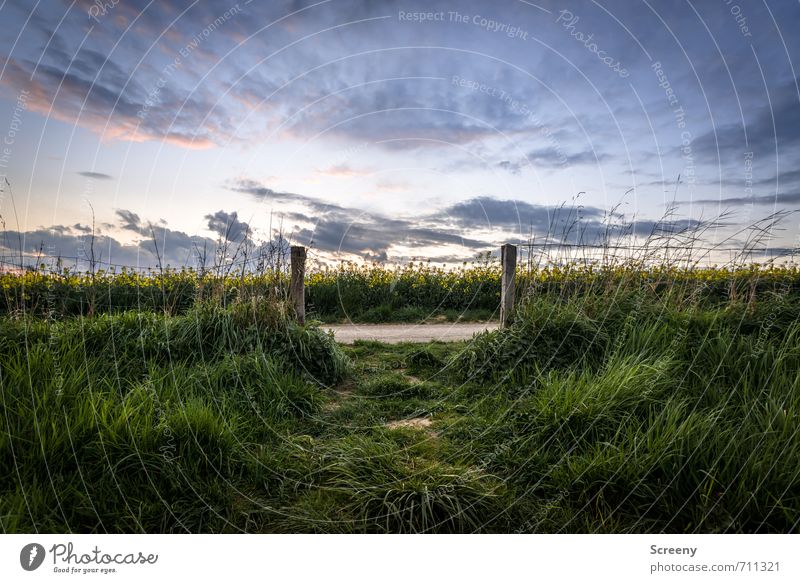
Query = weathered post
x=508 y=265
x=297 y=284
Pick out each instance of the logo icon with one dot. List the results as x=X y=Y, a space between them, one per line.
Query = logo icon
x=31 y=556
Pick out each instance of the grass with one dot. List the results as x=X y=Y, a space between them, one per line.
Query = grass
x=629 y=412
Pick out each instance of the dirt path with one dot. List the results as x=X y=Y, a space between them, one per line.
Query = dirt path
x=396 y=333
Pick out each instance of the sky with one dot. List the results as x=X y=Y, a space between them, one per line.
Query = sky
x=393 y=131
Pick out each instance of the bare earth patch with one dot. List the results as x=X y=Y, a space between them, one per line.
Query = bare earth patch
x=342 y=392
x=331 y=406
x=421 y=423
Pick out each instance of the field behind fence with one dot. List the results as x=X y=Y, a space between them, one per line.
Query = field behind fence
x=374 y=292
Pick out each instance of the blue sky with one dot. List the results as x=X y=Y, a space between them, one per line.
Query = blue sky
x=390 y=130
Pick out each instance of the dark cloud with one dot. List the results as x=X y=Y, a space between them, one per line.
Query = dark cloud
x=553 y=156
x=228 y=226
x=261 y=192
x=509 y=166
x=788 y=177
x=130 y=221
x=338 y=229
x=371 y=235
x=81 y=228
x=792 y=198
x=75 y=249
x=172 y=247
x=517 y=216
x=775 y=127
x=335 y=228
x=96 y=175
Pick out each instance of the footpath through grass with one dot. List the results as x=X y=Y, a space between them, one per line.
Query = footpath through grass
x=587 y=415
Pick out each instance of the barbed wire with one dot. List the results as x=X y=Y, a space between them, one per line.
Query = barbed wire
x=316 y=255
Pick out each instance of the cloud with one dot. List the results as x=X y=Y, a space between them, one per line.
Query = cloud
x=788 y=177
x=775 y=128
x=261 y=192
x=476 y=224
x=516 y=216
x=173 y=247
x=150 y=87
x=509 y=166
x=372 y=237
x=228 y=226
x=457 y=232
x=338 y=229
x=792 y=198
x=391 y=84
x=96 y=175
x=392 y=185
x=75 y=249
x=130 y=221
x=112 y=107
x=553 y=157
x=341 y=171
x=81 y=228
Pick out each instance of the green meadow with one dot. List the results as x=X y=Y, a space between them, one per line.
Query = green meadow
x=608 y=406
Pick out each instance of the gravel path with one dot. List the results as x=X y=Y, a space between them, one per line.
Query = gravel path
x=396 y=333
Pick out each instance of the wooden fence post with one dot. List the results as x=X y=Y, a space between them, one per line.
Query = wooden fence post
x=297 y=290
x=508 y=265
